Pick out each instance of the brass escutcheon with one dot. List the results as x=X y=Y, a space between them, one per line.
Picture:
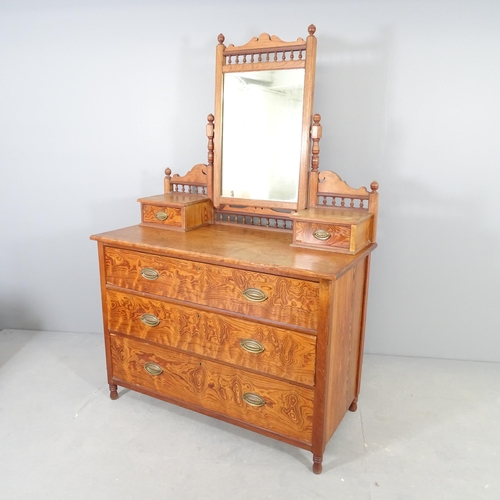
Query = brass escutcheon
x=321 y=234
x=254 y=295
x=153 y=369
x=253 y=399
x=150 y=320
x=161 y=215
x=149 y=273
x=252 y=346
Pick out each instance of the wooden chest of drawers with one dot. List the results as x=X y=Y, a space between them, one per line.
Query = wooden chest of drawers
x=236 y=324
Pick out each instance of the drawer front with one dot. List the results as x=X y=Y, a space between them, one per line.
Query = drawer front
x=270 y=350
x=286 y=300
x=322 y=235
x=165 y=216
x=285 y=409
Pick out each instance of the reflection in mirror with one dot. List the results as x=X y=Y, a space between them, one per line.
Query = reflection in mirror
x=262 y=127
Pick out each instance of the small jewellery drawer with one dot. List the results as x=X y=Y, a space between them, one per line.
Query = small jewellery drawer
x=263 y=348
x=321 y=234
x=165 y=216
x=268 y=403
x=337 y=230
x=285 y=300
x=179 y=211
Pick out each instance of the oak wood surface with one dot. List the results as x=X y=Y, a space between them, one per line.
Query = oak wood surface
x=265 y=41
x=333 y=215
x=357 y=310
x=288 y=300
x=242 y=247
x=198 y=214
x=287 y=408
x=258 y=46
x=286 y=354
x=338 y=354
x=174 y=199
x=174 y=216
x=262 y=66
x=176 y=331
x=339 y=235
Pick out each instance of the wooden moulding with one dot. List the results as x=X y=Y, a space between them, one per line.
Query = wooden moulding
x=265 y=43
x=177 y=211
x=196 y=181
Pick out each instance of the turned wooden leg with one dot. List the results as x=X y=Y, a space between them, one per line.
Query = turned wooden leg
x=113 y=391
x=317 y=464
x=354 y=404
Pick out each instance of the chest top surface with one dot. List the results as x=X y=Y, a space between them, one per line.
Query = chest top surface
x=236 y=247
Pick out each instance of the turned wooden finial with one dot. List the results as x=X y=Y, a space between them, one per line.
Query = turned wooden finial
x=374 y=186
x=210 y=136
x=316 y=131
x=311 y=29
x=221 y=38
x=168 y=172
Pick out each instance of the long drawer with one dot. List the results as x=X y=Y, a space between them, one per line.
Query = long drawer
x=264 y=348
x=286 y=300
x=266 y=402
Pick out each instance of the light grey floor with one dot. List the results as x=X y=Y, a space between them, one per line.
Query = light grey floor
x=425 y=429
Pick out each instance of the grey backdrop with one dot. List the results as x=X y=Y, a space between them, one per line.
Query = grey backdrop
x=98 y=97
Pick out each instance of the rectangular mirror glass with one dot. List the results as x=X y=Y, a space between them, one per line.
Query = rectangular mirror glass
x=262 y=131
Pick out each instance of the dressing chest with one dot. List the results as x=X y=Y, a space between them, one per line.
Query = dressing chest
x=240 y=296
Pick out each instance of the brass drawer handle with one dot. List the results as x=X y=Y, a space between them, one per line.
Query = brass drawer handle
x=161 y=215
x=153 y=369
x=149 y=273
x=253 y=399
x=321 y=234
x=150 y=320
x=254 y=295
x=253 y=346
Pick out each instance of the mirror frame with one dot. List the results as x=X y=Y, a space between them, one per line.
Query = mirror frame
x=266 y=53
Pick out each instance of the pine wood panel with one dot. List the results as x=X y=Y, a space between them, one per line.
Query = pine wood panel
x=338 y=354
x=289 y=301
x=356 y=353
x=287 y=409
x=361 y=235
x=286 y=354
x=340 y=235
x=174 y=215
x=242 y=247
x=198 y=214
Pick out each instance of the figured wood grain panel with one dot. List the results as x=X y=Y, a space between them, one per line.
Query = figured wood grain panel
x=339 y=235
x=174 y=216
x=289 y=300
x=286 y=354
x=287 y=409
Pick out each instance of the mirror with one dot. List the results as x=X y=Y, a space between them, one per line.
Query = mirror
x=262 y=118
x=264 y=94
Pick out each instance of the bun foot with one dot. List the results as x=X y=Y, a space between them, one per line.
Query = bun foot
x=317 y=464
x=354 y=405
x=113 y=391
